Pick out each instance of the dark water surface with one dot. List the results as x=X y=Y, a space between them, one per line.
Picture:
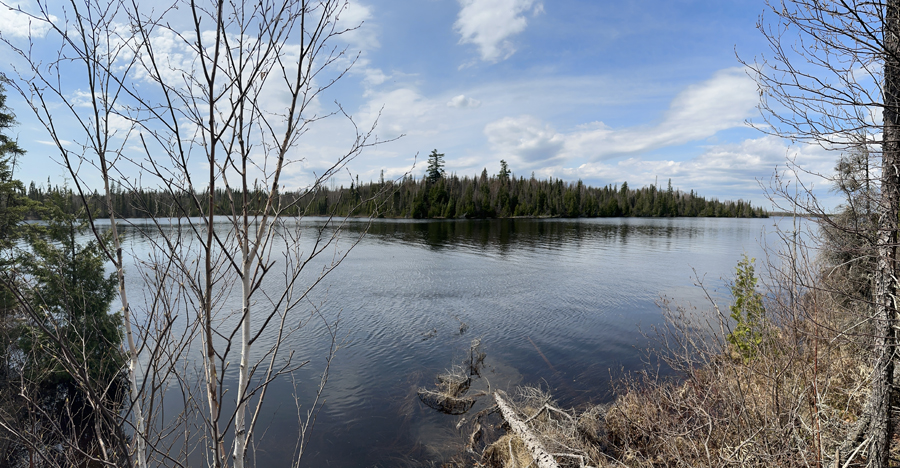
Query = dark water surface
x=556 y=303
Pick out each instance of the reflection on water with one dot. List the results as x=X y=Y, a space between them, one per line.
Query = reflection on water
x=555 y=302
x=504 y=235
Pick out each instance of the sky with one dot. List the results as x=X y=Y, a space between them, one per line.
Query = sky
x=599 y=91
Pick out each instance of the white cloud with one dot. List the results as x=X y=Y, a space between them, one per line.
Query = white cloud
x=527 y=134
x=357 y=17
x=462 y=101
x=722 y=102
x=490 y=23
x=362 y=38
x=20 y=25
x=119 y=126
x=699 y=112
x=524 y=139
x=52 y=143
x=374 y=76
x=176 y=59
x=400 y=111
x=731 y=171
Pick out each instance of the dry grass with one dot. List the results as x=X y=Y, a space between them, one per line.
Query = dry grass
x=791 y=401
x=507 y=452
x=791 y=404
x=448 y=396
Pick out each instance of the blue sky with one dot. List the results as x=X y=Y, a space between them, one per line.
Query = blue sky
x=600 y=91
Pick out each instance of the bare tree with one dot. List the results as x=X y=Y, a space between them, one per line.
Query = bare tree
x=833 y=79
x=216 y=95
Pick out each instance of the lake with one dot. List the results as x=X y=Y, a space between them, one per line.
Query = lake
x=558 y=303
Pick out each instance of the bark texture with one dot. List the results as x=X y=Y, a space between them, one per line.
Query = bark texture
x=880 y=428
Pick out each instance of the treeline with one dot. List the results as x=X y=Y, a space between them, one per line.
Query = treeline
x=502 y=197
x=130 y=202
x=447 y=197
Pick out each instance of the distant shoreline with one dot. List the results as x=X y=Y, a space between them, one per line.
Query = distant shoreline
x=787 y=214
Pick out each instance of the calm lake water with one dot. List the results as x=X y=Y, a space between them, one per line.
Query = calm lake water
x=557 y=303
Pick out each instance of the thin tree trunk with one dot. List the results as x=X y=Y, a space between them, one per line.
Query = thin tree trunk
x=212 y=378
x=240 y=437
x=210 y=67
x=240 y=430
x=880 y=429
x=140 y=451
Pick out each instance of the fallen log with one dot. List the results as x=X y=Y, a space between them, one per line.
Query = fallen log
x=532 y=443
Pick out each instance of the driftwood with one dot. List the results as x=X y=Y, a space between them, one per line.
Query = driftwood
x=538 y=453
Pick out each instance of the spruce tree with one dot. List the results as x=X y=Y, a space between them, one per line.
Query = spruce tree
x=504 y=172
x=435 y=166
x=12 y=203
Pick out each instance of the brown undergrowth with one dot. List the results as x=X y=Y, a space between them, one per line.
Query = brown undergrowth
x=791 y=403
x=786 y=388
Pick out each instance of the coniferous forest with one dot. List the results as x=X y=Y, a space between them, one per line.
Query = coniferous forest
x=438 y=195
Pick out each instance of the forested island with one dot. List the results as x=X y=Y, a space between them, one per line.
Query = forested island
x=503 y=195
x=436 y=195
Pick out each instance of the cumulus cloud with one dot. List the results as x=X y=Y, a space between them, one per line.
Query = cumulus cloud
x=462 y=101
x=488 y=24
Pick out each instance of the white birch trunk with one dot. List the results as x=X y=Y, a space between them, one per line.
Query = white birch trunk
x=240 y=431
x=532 y=443
x=140 y=450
